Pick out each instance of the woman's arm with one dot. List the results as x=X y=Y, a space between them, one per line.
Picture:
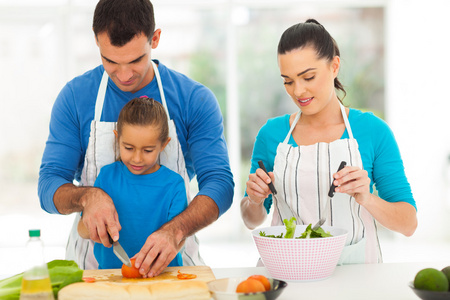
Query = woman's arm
x=253 y=214
x=394 y=205
x=398 y=216
x=253 y=211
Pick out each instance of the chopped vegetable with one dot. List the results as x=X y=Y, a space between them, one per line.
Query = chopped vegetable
x=61 y=272
x=185 y=275
x=290 y=230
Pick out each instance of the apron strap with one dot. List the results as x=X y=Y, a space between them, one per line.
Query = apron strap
x=161 y=91
x=104 y=84
x=347 y=124
x=344 y=116
x=101 y=96
x=286 y=139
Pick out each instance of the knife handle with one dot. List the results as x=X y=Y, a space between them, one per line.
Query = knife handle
x=271 y=187
x=333 y=187
x=110 y=238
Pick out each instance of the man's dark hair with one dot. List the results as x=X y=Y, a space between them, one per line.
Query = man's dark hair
x=122 y=20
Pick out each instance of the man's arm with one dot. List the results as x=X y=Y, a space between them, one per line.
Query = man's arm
x=164 y=244
x=99 y=212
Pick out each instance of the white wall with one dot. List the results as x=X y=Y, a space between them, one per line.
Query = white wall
x=418 y=104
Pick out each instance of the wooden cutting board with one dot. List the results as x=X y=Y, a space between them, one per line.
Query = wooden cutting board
x=110 y=285
x=204 y=273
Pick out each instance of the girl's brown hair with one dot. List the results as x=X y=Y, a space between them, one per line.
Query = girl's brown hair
x=143 y=112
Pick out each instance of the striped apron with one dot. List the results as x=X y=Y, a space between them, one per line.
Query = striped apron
x=303 y=176
x=103 y=150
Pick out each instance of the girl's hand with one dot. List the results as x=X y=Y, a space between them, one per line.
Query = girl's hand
x=355 y=182
x=257 y=186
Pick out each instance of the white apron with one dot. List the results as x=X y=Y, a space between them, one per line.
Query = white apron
x=103 y=150
x=303 y=176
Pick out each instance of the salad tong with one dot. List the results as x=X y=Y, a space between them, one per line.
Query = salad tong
x=287 y=210
x=330 y=195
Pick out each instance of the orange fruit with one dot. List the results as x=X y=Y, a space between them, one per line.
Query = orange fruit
x=263 y=279
x=131 y=272
x=250 y=286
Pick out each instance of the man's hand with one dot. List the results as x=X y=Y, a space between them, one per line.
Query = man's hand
x=99 y=213
x=163 y=245
x=100 y=216
x=158 y=251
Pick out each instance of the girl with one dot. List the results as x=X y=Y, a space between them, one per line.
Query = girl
x=305 y=149
x=146 y=194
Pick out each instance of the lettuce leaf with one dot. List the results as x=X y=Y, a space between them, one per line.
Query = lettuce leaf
x=61 y=272
x=263 y=233
x=310 y=234
x=290 y=228
x=290 y=231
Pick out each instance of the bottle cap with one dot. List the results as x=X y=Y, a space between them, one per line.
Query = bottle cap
x=34 y=232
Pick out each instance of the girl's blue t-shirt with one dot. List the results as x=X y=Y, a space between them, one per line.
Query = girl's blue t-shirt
x=144 y=203
x=380 y=153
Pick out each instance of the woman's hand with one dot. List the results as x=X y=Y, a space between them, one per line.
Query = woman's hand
x=253 y=211
x=355 y=182
x=257 y=186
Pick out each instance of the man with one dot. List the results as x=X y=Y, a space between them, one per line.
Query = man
x=81 y=140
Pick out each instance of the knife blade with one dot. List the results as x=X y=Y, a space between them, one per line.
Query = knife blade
x=120 y=252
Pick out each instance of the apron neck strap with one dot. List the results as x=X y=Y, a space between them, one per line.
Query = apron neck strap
x=101 y=97
x=104 y=84
x=160 y=86
x=286 y=139
x=346 y=122
x=344 y=116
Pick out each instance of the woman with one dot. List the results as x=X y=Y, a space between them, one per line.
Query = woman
x=305 y=149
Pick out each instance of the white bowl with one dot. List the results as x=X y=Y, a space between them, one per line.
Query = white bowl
x=300 y=259
x=225 y=289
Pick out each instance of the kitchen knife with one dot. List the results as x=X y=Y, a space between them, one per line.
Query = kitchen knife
x=120 y=252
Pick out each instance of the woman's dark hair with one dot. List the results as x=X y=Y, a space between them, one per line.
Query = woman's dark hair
x=122 y=20
x=144 y=112
x=311 y=34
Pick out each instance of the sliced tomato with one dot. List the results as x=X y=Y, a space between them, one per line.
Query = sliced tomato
x=185 y=275
x=88 y=279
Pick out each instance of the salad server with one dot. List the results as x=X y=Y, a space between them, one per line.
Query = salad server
x=286 y=208
x=330 y=195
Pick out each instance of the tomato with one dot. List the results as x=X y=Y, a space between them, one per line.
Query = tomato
x=263 y=280
x=185 y=275
x=88 y=279
x=131 y=272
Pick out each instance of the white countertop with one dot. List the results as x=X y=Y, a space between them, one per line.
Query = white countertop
x=366 y=281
